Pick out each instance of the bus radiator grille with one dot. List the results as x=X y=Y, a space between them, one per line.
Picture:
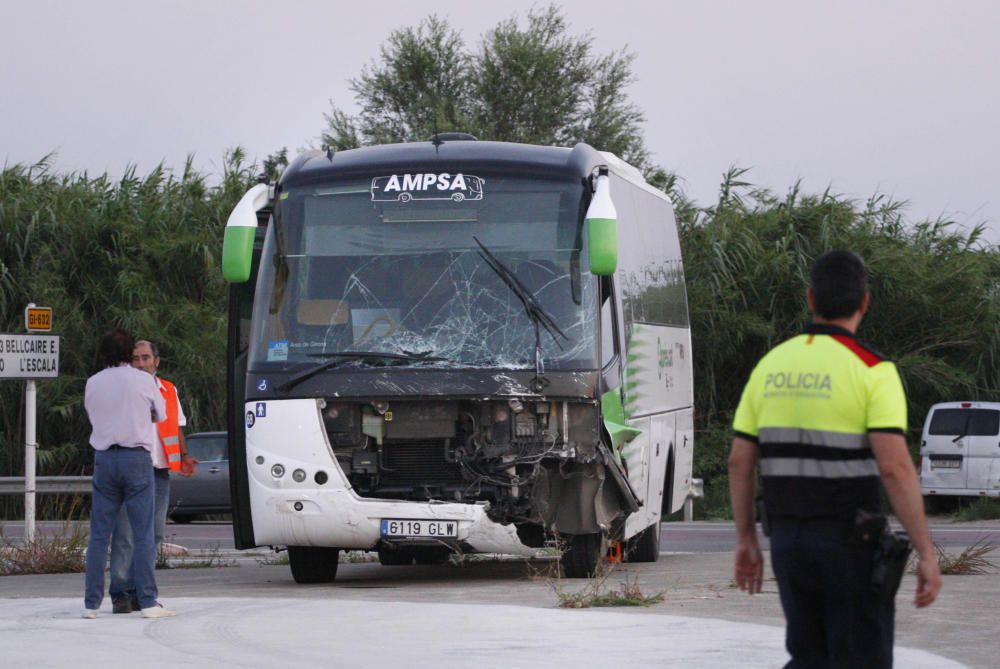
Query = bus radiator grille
x=416 y=464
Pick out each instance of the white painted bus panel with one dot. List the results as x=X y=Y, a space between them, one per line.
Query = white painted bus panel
x=332 y=514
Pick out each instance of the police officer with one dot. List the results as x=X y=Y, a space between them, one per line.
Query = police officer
x=823 y=418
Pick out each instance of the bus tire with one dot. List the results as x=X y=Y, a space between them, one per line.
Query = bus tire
x=313 y=564
x=645 y=546
x=583 y=555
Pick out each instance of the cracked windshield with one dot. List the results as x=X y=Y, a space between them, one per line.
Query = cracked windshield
x=392 y=265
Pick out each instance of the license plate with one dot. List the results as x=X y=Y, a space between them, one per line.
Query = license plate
x=400 y=528
x=946 y=464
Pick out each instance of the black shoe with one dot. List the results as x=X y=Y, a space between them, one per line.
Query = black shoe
x=122 y=605
x=134 y=603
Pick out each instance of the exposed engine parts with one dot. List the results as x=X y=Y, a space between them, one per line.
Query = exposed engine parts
x=512 y=454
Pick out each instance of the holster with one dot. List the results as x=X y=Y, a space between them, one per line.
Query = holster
x=891 y=555
x=890 y=551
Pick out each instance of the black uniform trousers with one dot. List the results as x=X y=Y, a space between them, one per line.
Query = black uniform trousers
x=834 y=619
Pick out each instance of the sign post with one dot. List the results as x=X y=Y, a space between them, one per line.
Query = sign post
x=30 y=357
x=30 y=460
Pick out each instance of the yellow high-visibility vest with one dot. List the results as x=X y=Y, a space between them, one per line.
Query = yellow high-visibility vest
x=809 y=405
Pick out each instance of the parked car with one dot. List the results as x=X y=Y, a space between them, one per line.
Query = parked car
x=960 y=450
x=208 y=490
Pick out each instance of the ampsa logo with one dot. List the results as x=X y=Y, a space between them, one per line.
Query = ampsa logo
x=428 y=186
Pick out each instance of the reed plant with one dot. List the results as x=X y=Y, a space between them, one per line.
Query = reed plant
x=139 y=252
x=935 y=297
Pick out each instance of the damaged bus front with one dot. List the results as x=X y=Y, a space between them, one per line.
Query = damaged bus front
x=428 y=355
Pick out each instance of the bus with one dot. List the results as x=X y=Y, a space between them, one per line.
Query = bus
x=497 y=362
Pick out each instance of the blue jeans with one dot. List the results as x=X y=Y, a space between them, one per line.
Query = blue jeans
x=834 y=618
x=122 y=477
x=121 y=538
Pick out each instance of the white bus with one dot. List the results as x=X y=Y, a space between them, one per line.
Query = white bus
x=431 y=375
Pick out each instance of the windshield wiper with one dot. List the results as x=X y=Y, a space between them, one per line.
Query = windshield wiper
x=537 y=314
x=965 y=428
x=341 y=357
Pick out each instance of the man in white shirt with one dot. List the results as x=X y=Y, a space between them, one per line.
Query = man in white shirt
x=169 y=454
x=122 y=404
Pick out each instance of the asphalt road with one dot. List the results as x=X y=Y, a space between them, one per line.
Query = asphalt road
x=960 y=626
x=702 y=537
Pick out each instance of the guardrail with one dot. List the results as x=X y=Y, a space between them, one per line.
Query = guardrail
x=14 y=485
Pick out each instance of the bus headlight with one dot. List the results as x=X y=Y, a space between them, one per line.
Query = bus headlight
x=277 y=471
x=299 y=475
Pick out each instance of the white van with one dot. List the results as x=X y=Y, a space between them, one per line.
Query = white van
x=960 y=450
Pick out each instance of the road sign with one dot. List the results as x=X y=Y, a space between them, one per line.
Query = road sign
x=38 y=319
x=29 y=356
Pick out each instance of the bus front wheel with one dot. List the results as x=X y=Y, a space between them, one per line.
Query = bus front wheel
x=313 y=564
x=645 y=546
x=583 y=554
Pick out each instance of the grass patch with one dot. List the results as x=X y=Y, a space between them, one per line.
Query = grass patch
x=984 y=508
x=61 y=553
x=207 y=558
x=627 y=593
x=548 y=570
x=972 y=560
x=276 y=558
x=596 y=592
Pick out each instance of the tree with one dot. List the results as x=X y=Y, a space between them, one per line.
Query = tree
x=275 y=163
x=935 y=298
x=419 y=88
x=138 y=252
x=538 y=84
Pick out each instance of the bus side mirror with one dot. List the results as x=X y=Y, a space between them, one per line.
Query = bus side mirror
x=602 y=228
x=237 y=245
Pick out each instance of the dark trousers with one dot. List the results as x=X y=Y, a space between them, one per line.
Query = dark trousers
x=834 y=618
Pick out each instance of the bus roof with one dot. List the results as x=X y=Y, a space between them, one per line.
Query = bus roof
x=452 y=155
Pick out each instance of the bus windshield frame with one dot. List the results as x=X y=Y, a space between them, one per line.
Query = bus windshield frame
x=349 y=267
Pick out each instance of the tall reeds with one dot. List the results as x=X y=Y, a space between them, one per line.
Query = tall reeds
x=935 y=297
x=140 y=252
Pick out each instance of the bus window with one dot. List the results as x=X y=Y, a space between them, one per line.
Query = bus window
x=408 y=277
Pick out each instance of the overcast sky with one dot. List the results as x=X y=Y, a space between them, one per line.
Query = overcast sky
x=898 y=97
